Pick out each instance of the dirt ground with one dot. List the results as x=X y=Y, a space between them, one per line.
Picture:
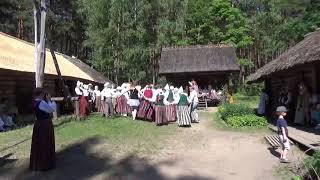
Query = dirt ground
x=198 y=153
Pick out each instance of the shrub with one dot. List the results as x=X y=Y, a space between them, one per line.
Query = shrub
x=250 y=120
x=313 y=163
x=229 y=110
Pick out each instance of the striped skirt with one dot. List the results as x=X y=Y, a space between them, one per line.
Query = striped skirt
x=183 y=116
x=122 y=105
x=171 y=112
x=160 y=115
x=145 y=110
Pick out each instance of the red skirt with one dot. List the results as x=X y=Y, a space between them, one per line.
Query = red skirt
x=122 y=105
x=146 y=110
x=171 y=112
x=84 y=106
x=160 y=115
x=42 y=155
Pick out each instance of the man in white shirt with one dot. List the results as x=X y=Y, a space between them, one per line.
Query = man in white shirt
x=193 y=100
x=107 y=94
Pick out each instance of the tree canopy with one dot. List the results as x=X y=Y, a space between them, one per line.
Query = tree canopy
x=123 y=38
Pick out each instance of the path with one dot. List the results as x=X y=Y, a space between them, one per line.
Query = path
x=197 y=153
x=206 y=152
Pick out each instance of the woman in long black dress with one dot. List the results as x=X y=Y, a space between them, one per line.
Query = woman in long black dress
x=42 y=155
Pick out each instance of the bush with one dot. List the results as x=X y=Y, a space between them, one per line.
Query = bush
x=230 y=110
x=313 y=164
x=250 y=120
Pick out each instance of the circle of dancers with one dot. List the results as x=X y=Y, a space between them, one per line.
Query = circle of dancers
x=162 y=105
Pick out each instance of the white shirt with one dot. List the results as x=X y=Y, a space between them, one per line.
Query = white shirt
x=117 y=94
x=107 y=93
x=193 y=97
x=97 y=92
x=85 y=92
x=78 y=91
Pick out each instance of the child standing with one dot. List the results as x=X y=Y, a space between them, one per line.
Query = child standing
x=283 y=133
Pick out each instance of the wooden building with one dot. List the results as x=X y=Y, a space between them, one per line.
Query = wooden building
x=299 y=64
x=17 y=72
x=211 y=64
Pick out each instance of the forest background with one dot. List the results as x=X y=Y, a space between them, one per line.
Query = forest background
x=123 y=39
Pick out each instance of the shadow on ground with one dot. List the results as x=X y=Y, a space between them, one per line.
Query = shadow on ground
x=80 y=161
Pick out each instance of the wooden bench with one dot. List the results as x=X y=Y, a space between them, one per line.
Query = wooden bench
x=273 y=140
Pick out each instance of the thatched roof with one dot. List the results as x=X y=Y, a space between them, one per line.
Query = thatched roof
x=18 y=55
x=211 y=58
x=305 y=52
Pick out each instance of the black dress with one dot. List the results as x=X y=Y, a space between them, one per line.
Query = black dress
x=42 y=155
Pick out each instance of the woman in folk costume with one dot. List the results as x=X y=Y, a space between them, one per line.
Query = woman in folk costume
x=169 y=101
x=83 y=103
x=146 y=109
x=183 y=111
x=122 y=101
x=97 y=94
x=160 y=109
x=85 y=91
x=134 y=101
x=43 y=155
x=116 y=96
x=193 y=100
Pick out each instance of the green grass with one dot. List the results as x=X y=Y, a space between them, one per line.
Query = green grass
x=120 y=134
x=251 y=101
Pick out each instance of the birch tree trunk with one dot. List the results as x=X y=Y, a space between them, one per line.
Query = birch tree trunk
x=40 y=48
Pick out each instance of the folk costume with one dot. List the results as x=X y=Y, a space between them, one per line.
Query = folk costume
x=160 y=110
x=123 y=107
x=193 y=100
x=42 y=155
x=171 y=108
x=146 y=108
x=83 y=103
x=134 y=101
x=183 y=111
x=97 y=99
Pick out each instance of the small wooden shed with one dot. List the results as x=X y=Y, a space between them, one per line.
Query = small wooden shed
x=210 y=64
x=300 y=63
x=17 y=72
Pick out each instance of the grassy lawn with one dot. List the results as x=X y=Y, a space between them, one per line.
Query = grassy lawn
x=120 y=135
x=252 y=101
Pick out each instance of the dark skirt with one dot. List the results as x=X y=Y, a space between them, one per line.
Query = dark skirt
x=42 y=155
x=122 y=105
x=183 y=116
x=146 y=110
x=84 y=106
x=160 y=116
x=171 y=112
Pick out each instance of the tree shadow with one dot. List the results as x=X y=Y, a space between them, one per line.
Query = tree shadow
x=81 y=161
x=274 y=152
x=5 y=160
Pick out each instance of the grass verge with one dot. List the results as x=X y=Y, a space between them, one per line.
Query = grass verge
x=119 y=134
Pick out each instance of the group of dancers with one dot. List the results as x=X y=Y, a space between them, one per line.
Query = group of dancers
x=161 y=105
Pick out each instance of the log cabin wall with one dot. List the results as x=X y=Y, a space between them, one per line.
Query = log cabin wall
x=290 y=79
